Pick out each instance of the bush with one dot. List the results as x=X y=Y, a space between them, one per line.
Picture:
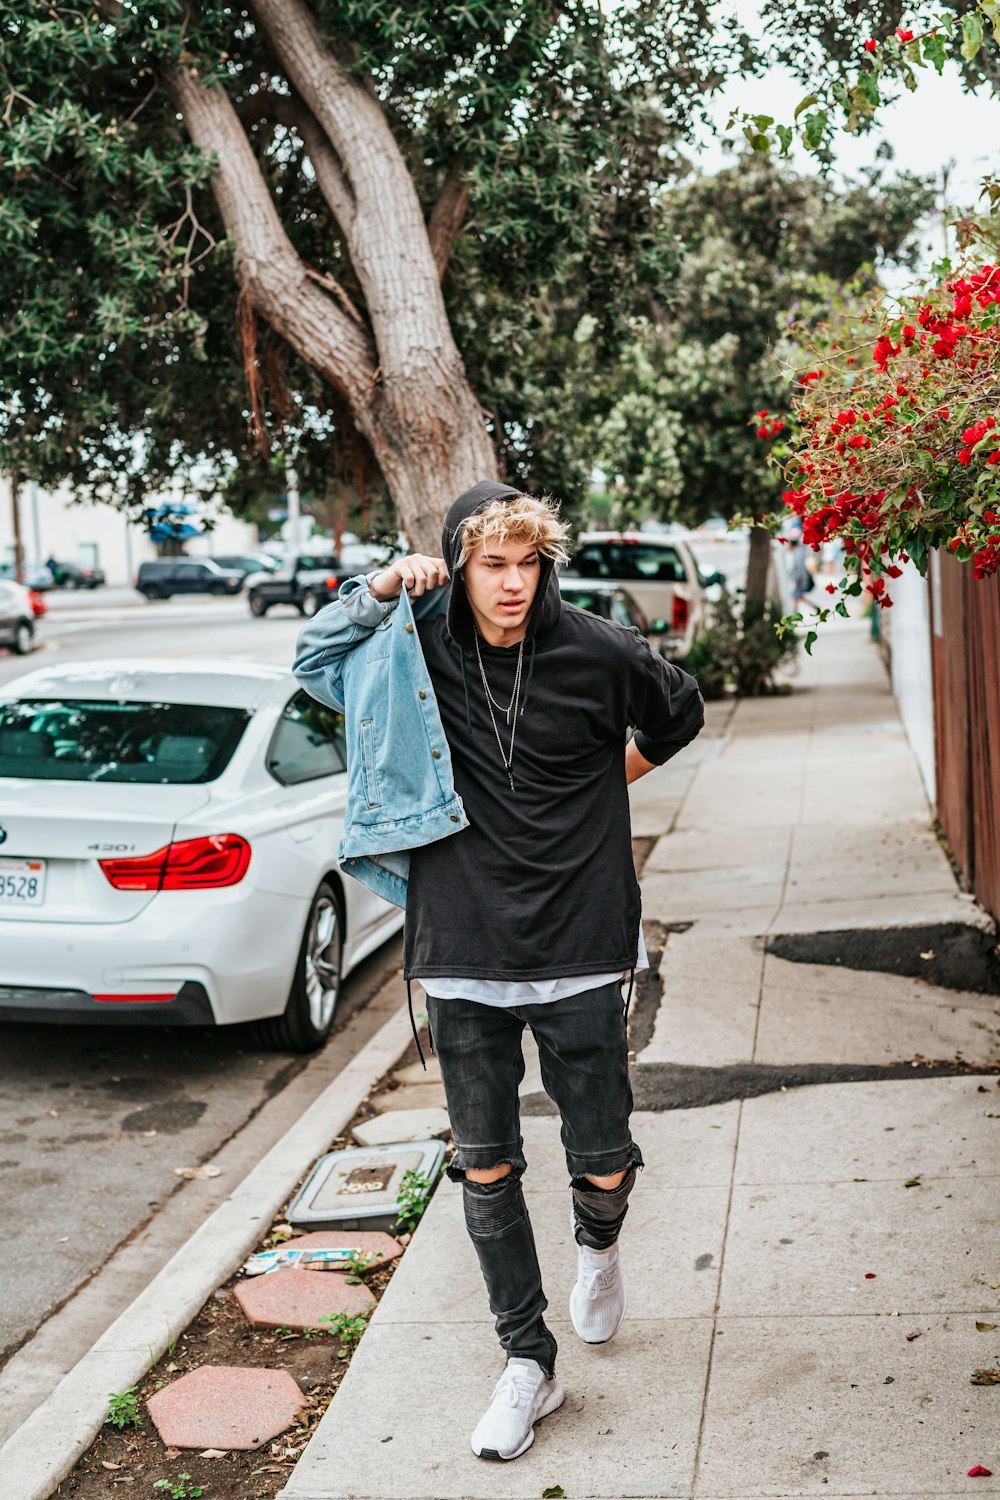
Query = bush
x=730 y=655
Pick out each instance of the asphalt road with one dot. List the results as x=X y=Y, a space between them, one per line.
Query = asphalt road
x=93 y=1122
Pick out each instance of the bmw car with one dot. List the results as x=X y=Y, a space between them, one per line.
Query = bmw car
x=168 y=843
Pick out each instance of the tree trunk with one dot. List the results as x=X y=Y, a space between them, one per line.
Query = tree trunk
x=397 y=368
x=755 y=597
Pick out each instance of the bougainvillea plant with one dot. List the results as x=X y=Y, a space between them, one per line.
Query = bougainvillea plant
x=892 y=442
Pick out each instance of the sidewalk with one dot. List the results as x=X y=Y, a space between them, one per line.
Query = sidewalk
x=801 y=1321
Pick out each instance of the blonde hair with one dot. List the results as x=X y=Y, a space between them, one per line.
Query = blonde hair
x=526 y=522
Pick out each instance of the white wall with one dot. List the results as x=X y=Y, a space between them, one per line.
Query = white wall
x=912 y=675
x=52 y=525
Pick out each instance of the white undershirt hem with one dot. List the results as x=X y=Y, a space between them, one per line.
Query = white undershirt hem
x=508 y=992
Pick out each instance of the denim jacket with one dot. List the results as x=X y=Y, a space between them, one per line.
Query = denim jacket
x=362 y=657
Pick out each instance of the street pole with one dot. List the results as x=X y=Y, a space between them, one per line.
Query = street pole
x=36 y=529
x=294 y=505
x=15 y=507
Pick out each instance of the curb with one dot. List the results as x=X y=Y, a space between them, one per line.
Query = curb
x=39 y=1455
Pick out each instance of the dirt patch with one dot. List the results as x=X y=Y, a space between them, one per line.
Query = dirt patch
x=130 y=1461
x=948 y=954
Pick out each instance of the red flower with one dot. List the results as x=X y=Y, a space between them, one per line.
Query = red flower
x=831 y=588
x=871 y=45
x=994 y=457
x=904 y=36
x=909 y=334
x=965 y=456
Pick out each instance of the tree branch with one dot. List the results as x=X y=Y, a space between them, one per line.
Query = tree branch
x=388 y=242
x=448 y=216
x=266 y=263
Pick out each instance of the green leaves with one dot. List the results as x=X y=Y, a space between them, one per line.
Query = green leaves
x=972 y=35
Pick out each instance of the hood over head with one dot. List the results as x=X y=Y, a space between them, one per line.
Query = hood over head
x=547 y=603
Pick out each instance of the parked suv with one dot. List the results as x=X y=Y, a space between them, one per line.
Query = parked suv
x=308 y=581
x=186 y=575
x=661 y=574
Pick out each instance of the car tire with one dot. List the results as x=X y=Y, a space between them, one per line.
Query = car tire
x=312 y=1000
x=310 y=605
x=24 y=637
x=257 y=606
x=153 y=593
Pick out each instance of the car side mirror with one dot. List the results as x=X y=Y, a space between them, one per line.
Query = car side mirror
x=659 y=627
x=712 y=578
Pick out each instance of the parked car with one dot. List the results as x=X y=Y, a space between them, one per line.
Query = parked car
x=73 y=575
x=660 y=572
x=604 y=599
x=34 y=576
x=169 y=851
x=186 y=575
x=308 y=581
x=17 y=617
x=249 y=563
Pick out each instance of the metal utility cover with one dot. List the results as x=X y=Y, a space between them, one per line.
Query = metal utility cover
x=357 y=1188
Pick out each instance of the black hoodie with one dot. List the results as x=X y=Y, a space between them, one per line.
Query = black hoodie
x=541 y=885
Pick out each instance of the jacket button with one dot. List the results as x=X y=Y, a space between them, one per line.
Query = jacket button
x=409 y=629
x=421 y=694
x=454 y=817
x=437 y=754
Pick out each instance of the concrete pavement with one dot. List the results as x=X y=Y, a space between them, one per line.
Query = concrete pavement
x=806 y=1267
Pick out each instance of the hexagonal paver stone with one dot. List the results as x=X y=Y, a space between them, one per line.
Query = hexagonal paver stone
x=402 y=1125
x=366 y=1241
x=225 y=1407
x=295 y=1298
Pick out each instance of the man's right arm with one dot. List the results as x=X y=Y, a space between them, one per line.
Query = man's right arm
x=332 y=634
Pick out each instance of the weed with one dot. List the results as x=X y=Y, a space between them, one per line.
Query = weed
x=179 y=1489
x=345 y=1329
x=358 y=1265
x=123 y=1409
x=411 y=1200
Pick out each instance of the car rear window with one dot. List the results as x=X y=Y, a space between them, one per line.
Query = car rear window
x=76 y=740
x=638 y=561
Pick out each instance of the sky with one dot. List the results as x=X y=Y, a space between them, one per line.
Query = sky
x=936 y=127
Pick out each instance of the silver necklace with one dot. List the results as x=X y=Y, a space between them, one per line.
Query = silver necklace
x=510 y=712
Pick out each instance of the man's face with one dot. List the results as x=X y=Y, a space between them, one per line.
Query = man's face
x=501 y=583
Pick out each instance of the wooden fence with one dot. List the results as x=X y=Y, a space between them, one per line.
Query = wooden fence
x=965 y=648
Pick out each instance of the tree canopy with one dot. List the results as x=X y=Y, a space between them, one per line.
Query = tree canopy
x=409 y=242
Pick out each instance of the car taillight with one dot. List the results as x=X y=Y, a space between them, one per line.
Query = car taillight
x=191 y=865
x=679 y=618
x=332 y=582
x=38 y=604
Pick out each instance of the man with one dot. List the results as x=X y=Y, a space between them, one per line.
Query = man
x=530 y=915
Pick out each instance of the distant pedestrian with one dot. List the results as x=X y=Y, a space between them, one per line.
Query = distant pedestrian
x=530 y=914
x=802 y=580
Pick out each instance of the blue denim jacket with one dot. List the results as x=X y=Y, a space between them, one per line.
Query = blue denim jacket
x=362 y=657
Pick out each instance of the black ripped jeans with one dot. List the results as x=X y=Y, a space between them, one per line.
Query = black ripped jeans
x=583 y=1051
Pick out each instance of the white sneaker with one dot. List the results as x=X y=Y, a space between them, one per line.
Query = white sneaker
x=598 y=1301
x=523 y=1395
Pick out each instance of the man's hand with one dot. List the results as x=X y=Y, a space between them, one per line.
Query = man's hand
x=416 y=574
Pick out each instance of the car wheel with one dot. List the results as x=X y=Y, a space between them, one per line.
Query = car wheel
x=152 y=593
x=309 y=606
x=24 y=637
x=312 y=1000
x=257 y=605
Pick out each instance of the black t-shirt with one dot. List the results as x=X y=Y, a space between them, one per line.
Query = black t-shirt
x=542 y=884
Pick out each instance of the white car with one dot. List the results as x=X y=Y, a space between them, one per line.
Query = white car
x=168 y=842
x=658 y=570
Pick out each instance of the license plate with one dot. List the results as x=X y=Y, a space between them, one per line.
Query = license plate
x=22 y=882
